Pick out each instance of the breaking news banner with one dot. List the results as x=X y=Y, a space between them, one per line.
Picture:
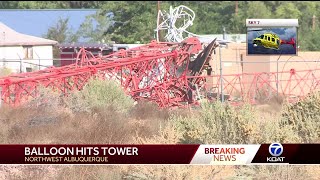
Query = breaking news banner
x=274 y=153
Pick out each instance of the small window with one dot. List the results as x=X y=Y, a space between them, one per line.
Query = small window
x=68 y=50
x=28 y=69
x=272 y=39
x=122 y=48
x=28 y=52
x=106 y=52
x=95 y=52
x=268 y=38
x=262 y=36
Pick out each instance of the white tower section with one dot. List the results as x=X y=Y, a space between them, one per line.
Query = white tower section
x=168 y=21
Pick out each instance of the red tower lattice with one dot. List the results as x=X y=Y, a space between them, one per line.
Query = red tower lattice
x=169 y=74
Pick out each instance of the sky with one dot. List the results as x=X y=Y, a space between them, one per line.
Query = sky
x=37 y=22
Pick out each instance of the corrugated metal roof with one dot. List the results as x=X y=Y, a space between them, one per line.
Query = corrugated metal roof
x=85 y=45
x=95 y=45
x=9 y=37
x=229 y=38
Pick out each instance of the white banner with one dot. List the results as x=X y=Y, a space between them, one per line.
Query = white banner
x=225 y=154
x=272 y=22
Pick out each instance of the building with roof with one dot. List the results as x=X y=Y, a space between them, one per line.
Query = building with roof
x=24 y=53
x=228 y=38
x=69 y=51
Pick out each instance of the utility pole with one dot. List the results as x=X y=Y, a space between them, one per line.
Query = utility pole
x=277 y=83
x=313 y=22
x=158 y=6
x=224 y=33
x=236 y=10
x=0 y=96
x=221 y=80
x=158 y=20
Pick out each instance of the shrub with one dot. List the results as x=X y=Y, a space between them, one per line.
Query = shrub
x=218 y=123
x=272 y=172
x=303 y=118
x=46 y=97
x=96 y=94
x=100 y=93
x=171 y=172
x=45 y=121
x=5 y=71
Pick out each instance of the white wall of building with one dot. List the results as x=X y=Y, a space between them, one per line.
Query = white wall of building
x=116 y=47
x=45 y=54
x=40 y=54
x=9 y=54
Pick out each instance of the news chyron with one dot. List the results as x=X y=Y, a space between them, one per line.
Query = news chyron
x=272 y=36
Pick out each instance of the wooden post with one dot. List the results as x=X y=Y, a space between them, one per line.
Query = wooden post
x=236 y=10
x=0 y=96
x=313 y=22
x=158 y=20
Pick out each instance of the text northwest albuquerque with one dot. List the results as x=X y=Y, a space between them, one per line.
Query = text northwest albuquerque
x=76 y=154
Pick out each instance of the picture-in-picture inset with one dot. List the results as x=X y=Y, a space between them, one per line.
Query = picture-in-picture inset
x=267 y=39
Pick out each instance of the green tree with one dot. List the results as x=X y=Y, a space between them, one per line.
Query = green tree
x=60 y=32
x=55 y=4
x=41 y=4
x=206 y=19
x=309 y=9
x=133 y=20
x=311 y=41
x=8 y=4
x=95 y=27
x=136 y=21
x=258 y=10
x=238 y=20
x=288 y=10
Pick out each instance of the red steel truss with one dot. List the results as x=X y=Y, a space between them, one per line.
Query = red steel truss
x=169 y=74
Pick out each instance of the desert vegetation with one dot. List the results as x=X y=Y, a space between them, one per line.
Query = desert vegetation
x=102 y=114
x=5 y=72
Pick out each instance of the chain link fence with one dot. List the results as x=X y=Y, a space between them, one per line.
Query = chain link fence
x=237 y=76
x=29 y=65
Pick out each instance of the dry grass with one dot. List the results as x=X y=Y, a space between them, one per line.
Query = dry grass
x=5 y=72
x=83 y=118
x=277 y=172
x=160 y=172
x=171 y=172
x=43 y=125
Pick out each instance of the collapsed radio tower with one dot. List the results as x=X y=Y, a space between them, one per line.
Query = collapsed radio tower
x=156 y=72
